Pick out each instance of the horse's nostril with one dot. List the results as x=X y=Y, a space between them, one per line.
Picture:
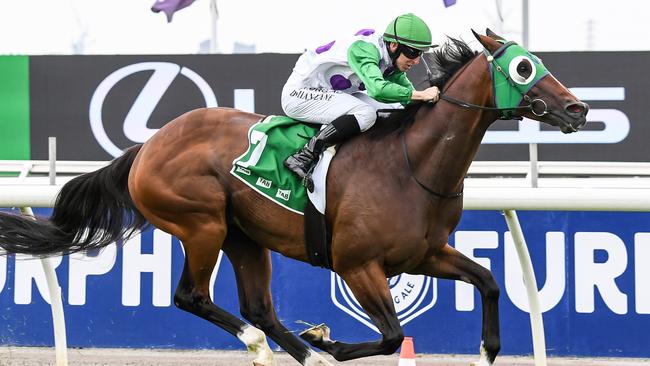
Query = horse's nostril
x=574 y=108
x=578 y=108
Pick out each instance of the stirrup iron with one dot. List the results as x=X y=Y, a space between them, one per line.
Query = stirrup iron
x=307 y=181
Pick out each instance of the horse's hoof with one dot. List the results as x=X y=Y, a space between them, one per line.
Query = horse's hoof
x=484 y=360
x=314 y=359
x=264 y=361
x=480 y=363
x=255 y=341
x=316 y=335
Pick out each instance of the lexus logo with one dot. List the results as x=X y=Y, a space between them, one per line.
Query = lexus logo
x=135 y=124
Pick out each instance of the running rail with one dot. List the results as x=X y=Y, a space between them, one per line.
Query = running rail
x=476 y=168
x=56 y=303
x=475 y=198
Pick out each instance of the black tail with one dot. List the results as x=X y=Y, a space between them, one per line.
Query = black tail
x=92 y=211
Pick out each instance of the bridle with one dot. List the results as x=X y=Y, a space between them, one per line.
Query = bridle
x=504 y=113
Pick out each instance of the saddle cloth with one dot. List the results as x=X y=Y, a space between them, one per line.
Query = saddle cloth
x=271 y=141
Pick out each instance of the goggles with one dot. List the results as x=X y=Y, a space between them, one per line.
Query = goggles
x=411 y=53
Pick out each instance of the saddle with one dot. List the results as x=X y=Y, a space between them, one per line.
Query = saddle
x=271 y=141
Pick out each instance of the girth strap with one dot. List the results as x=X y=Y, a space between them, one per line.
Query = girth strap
x=318 y=239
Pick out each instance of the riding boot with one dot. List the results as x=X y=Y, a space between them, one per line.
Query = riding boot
x=302 y=162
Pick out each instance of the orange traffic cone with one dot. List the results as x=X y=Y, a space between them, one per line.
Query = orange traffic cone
x=407 y=353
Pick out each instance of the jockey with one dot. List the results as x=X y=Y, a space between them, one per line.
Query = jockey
x=342 y=84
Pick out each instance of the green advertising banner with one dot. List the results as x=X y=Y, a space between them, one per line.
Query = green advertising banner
x=14 y=108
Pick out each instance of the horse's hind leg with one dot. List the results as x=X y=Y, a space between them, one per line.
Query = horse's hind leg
x=202 y=245
x=369 y=286
x=450 y=263
x=252 y=266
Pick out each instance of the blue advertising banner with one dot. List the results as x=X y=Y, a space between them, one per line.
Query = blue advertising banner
x=592 y=271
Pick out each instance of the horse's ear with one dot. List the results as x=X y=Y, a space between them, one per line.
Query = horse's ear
x=487 y=42
x=493 y=35
x=478 y=36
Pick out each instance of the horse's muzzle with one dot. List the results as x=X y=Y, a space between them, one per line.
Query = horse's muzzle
x=577 y=111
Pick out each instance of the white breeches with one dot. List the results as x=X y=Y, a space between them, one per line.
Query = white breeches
x=319 y=105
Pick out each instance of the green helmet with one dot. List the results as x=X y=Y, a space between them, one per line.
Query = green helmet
x=409 y=30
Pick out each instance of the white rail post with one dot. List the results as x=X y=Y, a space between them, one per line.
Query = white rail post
x=536 y=322
x=52 y=159
x=58 y=319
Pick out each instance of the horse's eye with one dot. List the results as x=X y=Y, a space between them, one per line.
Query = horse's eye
x=522 y=70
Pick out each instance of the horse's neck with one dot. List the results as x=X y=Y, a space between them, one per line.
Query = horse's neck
x=443 y=140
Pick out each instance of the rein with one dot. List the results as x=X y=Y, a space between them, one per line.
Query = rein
x=429 y=190
x=530 y=106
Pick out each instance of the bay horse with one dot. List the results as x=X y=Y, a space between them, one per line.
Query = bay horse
x=393 y=199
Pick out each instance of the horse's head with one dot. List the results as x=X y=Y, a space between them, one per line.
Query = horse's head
x=523 y=87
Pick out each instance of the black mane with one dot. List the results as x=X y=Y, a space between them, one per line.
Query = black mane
x=446 y=60
x=443 y=62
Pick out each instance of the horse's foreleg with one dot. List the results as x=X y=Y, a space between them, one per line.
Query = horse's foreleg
x=192 y=294
x=252 y=266
x=450 y=263
x=369 y=286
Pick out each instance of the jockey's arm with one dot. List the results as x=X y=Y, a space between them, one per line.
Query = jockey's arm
x=401 y=79
x=364 y=58
x=429 y=94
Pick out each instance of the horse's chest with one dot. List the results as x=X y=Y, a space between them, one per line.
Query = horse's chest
x=436 y=227
x=410 y=241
